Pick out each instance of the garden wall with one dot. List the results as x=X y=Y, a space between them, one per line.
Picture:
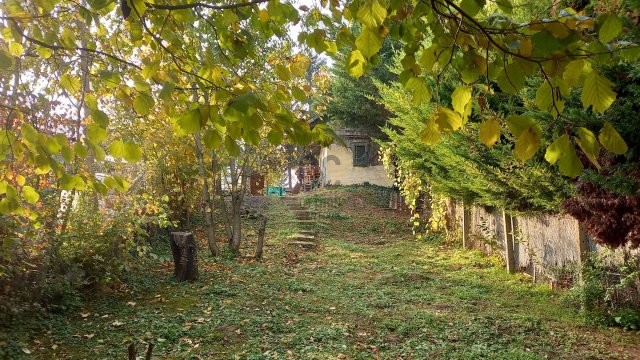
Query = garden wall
x=548 y=247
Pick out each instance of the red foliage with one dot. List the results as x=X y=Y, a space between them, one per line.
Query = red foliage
x=612 y=219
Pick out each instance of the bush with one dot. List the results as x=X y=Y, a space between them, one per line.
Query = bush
x=48 y=268
x=608 y=294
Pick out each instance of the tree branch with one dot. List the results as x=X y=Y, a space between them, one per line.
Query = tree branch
x=203 y=5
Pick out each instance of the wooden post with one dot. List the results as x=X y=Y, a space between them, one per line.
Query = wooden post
x=466 y=225
x=508 y=242
x=185 y=256
x=583 y=249
x=260 y=241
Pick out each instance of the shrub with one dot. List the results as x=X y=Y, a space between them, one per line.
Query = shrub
x=609 y=294
x=50 y=266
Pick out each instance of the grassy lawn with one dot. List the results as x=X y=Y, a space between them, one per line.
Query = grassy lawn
x=369 y=290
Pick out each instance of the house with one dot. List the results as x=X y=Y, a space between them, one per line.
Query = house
x=356 y=163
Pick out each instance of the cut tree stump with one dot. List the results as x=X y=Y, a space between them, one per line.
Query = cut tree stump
x=185 y=256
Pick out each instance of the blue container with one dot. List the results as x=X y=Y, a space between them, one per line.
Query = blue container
x=275 y=190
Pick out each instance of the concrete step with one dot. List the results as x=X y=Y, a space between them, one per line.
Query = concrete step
x=301 y=237
x=303 y=221
x=298 y=208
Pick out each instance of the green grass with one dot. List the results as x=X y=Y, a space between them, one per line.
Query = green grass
x=368 y=291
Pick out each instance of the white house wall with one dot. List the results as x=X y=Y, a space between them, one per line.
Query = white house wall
x=336 y=165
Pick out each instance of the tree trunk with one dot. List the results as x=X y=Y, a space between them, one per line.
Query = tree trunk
x=185 y=256
x=222 y=205
x=206 y=198
x=236 y=202
x=260 y=242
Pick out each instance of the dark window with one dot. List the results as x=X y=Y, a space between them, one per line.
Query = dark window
x=360 y=155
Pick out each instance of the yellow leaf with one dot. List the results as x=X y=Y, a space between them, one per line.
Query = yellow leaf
x=597 y=92
x=528 y=143
x=490 y=132
x=611 y=140
x=589 y=145
x=355 y=64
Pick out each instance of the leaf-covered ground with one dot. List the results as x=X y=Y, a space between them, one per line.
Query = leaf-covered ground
x=368 y=291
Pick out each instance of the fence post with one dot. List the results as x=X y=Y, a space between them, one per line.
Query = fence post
x=583 y=249
x=466 y=224
x=508 y=242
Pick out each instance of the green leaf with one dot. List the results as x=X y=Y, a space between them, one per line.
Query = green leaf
x=275 y=137
x=69 y=182
x=96 y=133
x=44 y=52
x=117 y=183
x=575 y=72
x=6 y=60
x=368 y=42
x=142 y=104
x=461 y=100
x=116 y=149
x=505 y=6
x=190 y=121
x=610 y=27
x=371 y=14
x=528 y=143
x=472 y=7
x=490 y=132
x=570 y=164
x=597 y=92
x=355 y=64
x=544 y=97
x=132 y=152
x=80 y=150
x=9 y=205
x=447 y=120
x=431 y=134
x=129 y=151
x=30 y=195
x=70 y=83
x=68 y=38
x=232 y=146
x=283 y=72
x=252 y=137
x=298 y=94
x=212 y=139
x=589 y=145
x=100 y=117
x=98 y=152
x=167 y=90
x=512 y=78
x=420 y=89
x=558 y=149
x=16 y=49
x=518 y=124
x=611 y=140
x=299 y=65
x=67 y=153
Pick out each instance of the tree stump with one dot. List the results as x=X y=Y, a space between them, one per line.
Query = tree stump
x=185 y=256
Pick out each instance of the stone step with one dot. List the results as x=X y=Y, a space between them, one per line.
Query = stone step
x=301 y=237
x=298 y=208
x=306 y=244
x=308 y=232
